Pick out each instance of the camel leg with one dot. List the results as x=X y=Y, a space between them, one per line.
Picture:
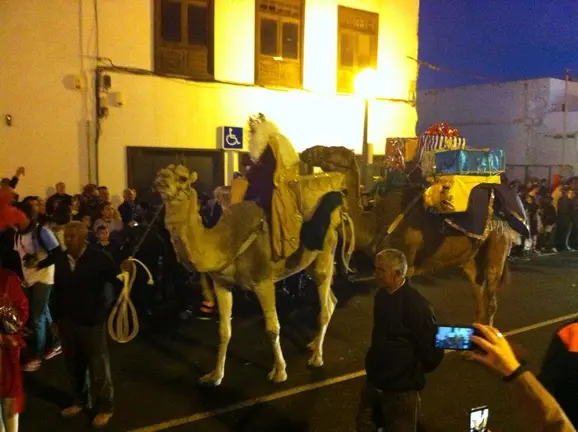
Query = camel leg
x=206 y=289
x=266 y=295
x=470 y=270
x=498 y=251
x=225 y=303
x=323 y=276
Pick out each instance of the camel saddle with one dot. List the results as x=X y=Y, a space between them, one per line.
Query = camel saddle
x=294 y=201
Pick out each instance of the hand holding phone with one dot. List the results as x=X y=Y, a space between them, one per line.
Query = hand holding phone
x=497 y=352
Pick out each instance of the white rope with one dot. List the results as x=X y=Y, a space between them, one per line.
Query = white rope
x=346 y=255
x=124 y=313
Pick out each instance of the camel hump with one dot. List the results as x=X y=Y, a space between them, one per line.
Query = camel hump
x=309 y=189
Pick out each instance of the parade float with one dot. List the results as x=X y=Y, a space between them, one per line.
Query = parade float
x=451 y=209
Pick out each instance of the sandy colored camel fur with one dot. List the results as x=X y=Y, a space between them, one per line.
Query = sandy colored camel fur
x=484 y=261
x=237 y=252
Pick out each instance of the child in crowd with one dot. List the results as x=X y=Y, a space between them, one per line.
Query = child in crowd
x=103 y=242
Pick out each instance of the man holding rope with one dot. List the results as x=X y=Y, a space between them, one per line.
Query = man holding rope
x=80 y=307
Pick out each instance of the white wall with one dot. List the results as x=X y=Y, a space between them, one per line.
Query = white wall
x=506 y=115
x=40 y=48
x=59 y=38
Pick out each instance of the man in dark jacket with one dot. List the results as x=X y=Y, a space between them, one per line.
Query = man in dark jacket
x=559 y=373
x=401 y=352
x=59 y=206
x=565 y=220
x=79 y=306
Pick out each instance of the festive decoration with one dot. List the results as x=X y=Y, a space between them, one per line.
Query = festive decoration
x=443 y=129
x=398 y=151
x=9 y=319
x=9 y=215
x=451 y=193
x=470 y=161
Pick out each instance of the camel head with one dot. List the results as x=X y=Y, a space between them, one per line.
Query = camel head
x=330 y=159
x=175 y=185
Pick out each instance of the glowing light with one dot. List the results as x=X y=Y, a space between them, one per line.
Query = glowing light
x=365 y=83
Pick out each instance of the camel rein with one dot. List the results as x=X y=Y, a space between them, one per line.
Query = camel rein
x=392 y=227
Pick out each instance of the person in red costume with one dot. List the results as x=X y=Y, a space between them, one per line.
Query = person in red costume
x=13 y=316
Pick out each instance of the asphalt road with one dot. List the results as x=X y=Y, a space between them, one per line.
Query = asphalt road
x=155 y=376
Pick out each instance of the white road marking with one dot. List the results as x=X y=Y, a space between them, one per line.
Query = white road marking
x=307 y=387
x=542 y=324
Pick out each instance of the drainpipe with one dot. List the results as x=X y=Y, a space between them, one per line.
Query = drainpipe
x=98 y=119
x=565 y=117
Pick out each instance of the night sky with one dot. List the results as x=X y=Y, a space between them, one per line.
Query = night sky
x=500 y=40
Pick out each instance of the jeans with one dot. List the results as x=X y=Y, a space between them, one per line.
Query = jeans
x=40 y=320
x=388 y=411
x=85 y=352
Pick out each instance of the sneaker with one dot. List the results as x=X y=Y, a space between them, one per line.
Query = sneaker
x=71 y=411
x=53 y=352
x=205 y=312
x=101 y=420
x=31 y=366
x=204 y=315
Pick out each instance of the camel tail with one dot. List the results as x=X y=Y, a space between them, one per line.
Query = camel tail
x=347 y=251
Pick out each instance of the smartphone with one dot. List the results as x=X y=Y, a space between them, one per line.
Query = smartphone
x=479 y=419
x=454 y=338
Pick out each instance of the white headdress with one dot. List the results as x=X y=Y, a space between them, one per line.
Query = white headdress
x=264 y=132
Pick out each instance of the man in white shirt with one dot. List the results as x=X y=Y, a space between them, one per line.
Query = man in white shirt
x=37 y=246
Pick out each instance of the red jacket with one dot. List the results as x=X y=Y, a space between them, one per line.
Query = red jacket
x=10 y=345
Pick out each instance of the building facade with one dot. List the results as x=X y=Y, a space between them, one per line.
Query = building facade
x=526 y=118
x=107 y=91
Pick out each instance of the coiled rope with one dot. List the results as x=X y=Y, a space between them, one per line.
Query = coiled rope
x=347 y=254
x=123 y=324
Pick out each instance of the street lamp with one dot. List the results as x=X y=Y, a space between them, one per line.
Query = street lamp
x=365 y=84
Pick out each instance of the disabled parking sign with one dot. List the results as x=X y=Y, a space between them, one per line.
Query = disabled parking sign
x=232 y=138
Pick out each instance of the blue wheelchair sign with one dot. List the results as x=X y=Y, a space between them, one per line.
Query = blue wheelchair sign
x=232 y=138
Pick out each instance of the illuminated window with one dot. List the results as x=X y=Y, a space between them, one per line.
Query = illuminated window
x=184 y=38
x=357 y=33
x=279 y=43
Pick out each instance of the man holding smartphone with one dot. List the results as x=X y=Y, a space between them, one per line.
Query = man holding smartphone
x=402 y=350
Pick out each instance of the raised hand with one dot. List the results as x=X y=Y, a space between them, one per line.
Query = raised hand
x=497 y=353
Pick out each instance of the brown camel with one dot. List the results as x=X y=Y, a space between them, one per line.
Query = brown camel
x=237 y=251
x=484 y=261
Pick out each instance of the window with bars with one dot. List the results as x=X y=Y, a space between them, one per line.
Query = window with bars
x=357 y=33
x=184 y=38
x=279 y=43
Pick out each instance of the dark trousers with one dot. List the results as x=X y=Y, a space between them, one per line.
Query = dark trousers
x=563 y=231
x=389 y=411
x=86 y=355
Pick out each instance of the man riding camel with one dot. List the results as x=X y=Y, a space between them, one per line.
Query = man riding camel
x=275 y=163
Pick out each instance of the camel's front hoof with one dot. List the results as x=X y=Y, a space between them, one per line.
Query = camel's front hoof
x=316 y=360
x=277 y=376
x=211 y=380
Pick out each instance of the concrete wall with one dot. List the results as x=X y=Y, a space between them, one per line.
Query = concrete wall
x=509 y=116
x=48 y=43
